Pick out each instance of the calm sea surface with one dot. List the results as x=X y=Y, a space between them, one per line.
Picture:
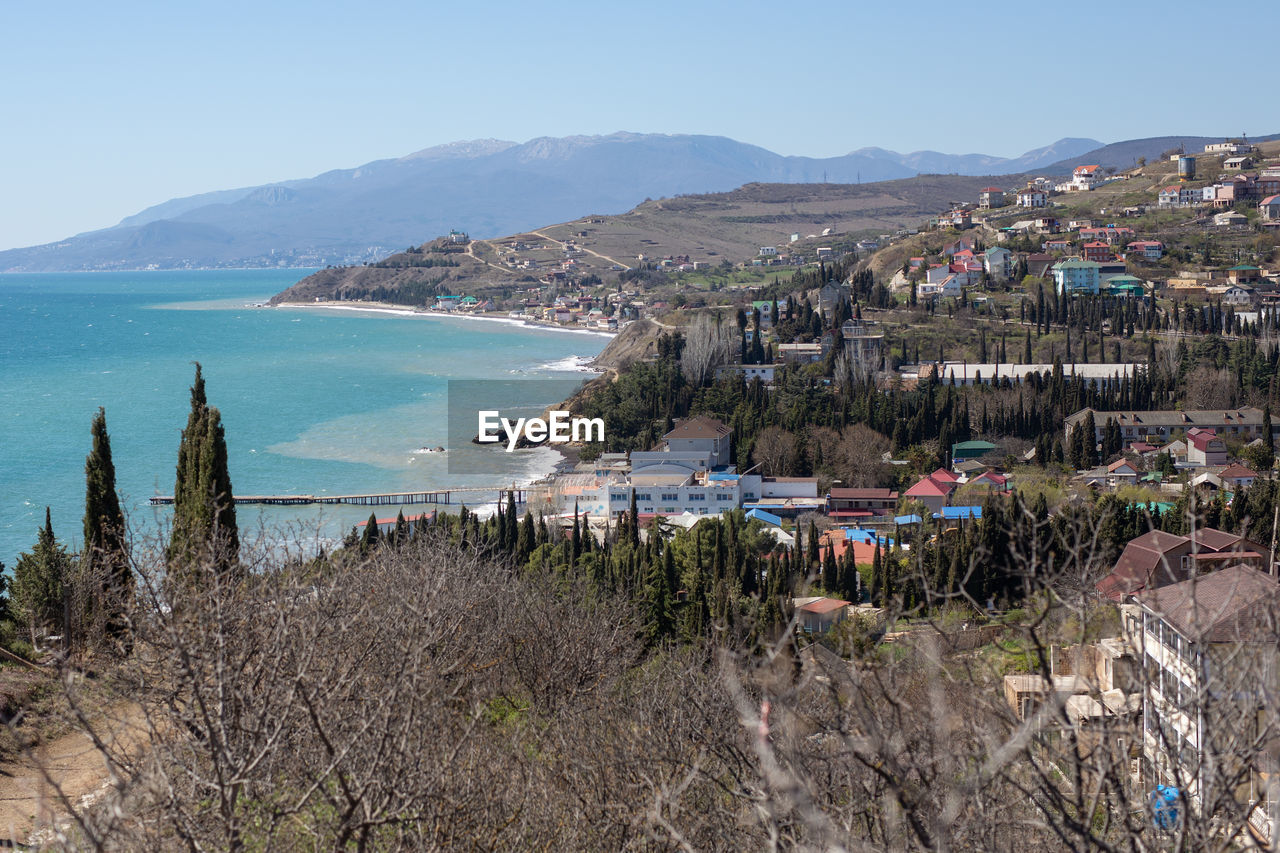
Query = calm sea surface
x=313 y=400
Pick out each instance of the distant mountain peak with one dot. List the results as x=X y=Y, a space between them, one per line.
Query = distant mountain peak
x=490 y=187
x=462 y=150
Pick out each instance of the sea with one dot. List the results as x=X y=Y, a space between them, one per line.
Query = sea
x=314 y=400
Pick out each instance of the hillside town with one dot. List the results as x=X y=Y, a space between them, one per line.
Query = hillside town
x=979 y=516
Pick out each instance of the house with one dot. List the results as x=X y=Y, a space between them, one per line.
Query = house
x=1033 y=198
x=863 y=348
x=998 y=262
x=1096 y=251
x=1075 y=277
x=1122 y=472
x=861 y=503
x=1178 y=195
x=1235 y=164
x=1056 y=245
x=1237 y=477
x=991 y=480
x=768 y=252
x=799 y=353
x=1158 y=558
x=1204 y=448
x=963 y=244
x=1152 y=250
x=1125 y=285
x=1230 y=219
x=701 y=435
x=1113 y=234
x=970 y=450
x=1209 y=647
x=1269 y=208
x=1086 y=177
x=816 y=615
x=1230 y=149
x=1038 y=264
x=1243 y=274
x=934 y=490
x=763 y=372
x=990 y=197
x=1240 y=295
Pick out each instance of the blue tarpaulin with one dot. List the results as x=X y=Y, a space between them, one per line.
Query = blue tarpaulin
x=1164 y=807
x=766 y=517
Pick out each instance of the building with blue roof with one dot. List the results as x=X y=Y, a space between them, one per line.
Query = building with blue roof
x=954 y=513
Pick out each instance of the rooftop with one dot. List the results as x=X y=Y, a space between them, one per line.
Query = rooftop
x=1236 y=604
x=700 y=427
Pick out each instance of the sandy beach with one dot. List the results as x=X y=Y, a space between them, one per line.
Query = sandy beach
x=406 y=311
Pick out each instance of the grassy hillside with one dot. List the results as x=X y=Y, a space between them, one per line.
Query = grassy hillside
x=711 y=229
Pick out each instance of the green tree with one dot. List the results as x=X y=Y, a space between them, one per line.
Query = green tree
x=371 y=536
x=105 y=557
x=204 y=511
x=528 y=539
x=36 y=594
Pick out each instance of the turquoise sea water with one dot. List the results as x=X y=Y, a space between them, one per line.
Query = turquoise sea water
x=313 y=400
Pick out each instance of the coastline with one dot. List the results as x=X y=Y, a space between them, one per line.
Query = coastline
x=407 y=311
x=541 y=472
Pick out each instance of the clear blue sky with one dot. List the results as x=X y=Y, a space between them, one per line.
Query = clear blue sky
x=112 y=106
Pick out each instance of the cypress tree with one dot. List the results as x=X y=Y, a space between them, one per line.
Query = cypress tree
x=528 y=539
x=813 y=554
x=402 y=529
x=513 y=524
x=633 y=528
x=830 y=571
x=369 y=539
x=877 y=578
x=36 y=593
x=105 y=555
x=204 y=512
x=658 y=603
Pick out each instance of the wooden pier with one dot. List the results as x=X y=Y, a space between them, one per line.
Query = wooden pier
x=437 y=496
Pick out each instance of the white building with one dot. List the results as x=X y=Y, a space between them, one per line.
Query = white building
x=1208 y=646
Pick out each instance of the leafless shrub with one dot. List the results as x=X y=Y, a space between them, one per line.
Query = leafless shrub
x=427 y=698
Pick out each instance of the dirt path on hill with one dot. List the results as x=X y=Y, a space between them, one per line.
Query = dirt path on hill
x=582 y=248
x=29 y=802
x=470 y=252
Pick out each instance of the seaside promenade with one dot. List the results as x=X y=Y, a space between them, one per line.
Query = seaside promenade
x=437 y=496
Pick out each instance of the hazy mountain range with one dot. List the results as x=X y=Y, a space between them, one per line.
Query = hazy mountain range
x=490 y=188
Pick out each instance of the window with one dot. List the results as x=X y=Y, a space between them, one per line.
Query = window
x=697 y=497
x=643 y=496
x=724 y=497
x=667 y=496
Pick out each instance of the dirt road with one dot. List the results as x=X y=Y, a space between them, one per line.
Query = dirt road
x=28 y=801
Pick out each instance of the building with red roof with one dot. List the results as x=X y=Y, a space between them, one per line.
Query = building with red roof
x=1204 y=448
x=817 y=614
x=1158 y=558
x=934 y=491
x=1269 y=207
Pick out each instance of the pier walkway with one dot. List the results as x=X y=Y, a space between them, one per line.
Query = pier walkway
x=437 y=496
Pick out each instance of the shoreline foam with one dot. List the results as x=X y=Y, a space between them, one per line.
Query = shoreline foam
x=405 y=311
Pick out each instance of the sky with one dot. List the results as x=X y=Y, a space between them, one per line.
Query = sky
x=107 y=108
